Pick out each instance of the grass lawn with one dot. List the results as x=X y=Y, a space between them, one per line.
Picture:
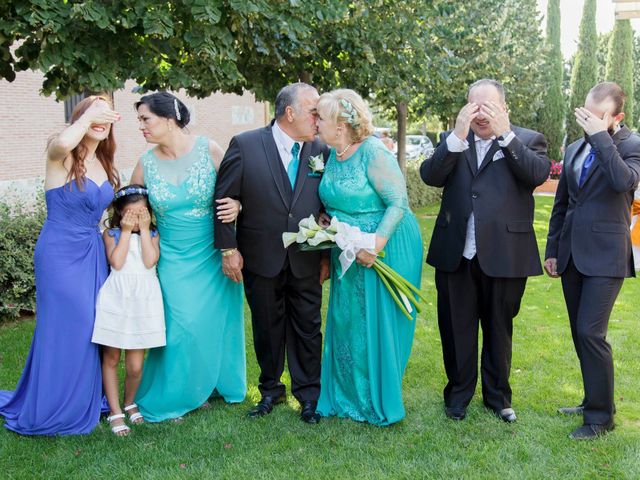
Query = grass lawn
x=222 y=443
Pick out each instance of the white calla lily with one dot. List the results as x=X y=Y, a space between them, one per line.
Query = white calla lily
x=289 y=238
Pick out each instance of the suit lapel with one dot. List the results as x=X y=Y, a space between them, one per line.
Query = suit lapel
x=303 y=169
x=274 y=162
x=569 y=164
x=488 y=158
x=471 y=154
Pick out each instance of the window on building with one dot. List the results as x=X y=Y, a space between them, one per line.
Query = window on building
x=70 y=103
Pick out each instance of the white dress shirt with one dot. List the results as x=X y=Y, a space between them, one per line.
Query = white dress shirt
x=455 y=144
x=284 y=143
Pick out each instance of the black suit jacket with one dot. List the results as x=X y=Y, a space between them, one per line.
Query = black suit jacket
x=252 y=172
x=499 y=193
x=591 y=224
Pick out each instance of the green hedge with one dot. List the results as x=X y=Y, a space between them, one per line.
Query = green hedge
x=420 y=194
x=19 y=230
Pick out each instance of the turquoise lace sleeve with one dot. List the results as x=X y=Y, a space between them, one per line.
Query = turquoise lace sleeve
x=387 y=180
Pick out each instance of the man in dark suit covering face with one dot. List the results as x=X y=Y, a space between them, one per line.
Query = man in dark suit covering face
x=483 y=245
x=589 y=244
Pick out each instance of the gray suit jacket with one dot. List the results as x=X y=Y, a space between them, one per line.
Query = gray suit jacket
x=500 y=195
x=591 y=224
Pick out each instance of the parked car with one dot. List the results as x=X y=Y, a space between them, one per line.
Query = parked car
x=419 y=146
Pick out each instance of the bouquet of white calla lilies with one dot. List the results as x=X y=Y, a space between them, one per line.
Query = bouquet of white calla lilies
x=350 y=240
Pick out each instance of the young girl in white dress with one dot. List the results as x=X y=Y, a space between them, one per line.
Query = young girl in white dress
x=129 y=309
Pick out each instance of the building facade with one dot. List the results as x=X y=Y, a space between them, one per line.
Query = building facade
x=28 y=120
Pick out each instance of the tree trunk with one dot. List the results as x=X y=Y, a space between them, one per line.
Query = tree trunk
x=401 y=110
x=306 y=77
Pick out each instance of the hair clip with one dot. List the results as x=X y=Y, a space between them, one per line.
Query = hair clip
x=177 y=109
x=350 y=113
x=131 y=191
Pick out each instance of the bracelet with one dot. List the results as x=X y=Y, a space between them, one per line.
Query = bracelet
x=231 y=251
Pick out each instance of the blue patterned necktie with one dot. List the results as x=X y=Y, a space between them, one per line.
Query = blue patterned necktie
x=585 y=167
x=294 y=164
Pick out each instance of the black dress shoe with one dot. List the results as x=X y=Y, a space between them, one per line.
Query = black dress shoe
x=455 y=413
x=265 y=406
x=507 y=415
x=590 y=431
x=571 y=410
x=308 y=412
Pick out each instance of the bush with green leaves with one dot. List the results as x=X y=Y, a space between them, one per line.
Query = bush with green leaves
x=420 y=194
x=19 y=230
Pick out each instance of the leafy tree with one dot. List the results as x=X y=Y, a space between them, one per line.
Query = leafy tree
x=506 y=45
x=620 y=64
x=603 y=50
x=585 y=67
x=553 y=110
x=192 y=44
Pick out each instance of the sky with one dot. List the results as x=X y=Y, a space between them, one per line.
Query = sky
x=570 y=15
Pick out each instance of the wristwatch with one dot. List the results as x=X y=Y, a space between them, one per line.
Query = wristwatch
x=230 y=251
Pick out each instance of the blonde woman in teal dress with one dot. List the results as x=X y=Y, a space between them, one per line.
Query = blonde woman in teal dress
x=205 y=353
x=368 y=340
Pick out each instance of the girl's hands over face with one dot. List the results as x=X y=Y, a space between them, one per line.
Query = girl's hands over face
x=129 y=221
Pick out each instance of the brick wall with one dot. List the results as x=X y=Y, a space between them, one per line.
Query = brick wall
x=28 y=119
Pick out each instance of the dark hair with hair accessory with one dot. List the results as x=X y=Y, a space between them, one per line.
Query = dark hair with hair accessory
x=166 y=105
x=125 y=196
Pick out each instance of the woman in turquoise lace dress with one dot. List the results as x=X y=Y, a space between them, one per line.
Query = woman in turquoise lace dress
x=368 y=339
x=203 y=308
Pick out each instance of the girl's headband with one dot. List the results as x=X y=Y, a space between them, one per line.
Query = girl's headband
x=131 y=191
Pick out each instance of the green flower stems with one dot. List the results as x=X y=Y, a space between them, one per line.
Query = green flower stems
x=393 y=294
x=396 y=275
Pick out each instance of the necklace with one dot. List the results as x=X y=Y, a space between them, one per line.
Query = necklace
x=339 y=154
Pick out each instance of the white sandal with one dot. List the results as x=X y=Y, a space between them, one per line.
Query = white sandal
x=116 y=429
x=133 y=417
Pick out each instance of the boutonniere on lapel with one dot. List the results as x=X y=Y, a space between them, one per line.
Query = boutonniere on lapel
x=316 y=165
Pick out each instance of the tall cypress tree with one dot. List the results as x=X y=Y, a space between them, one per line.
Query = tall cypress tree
x=620 y=64
x=585 y=68
x=553 y=109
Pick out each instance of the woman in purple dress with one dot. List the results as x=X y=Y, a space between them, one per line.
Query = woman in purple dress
x=60 y=391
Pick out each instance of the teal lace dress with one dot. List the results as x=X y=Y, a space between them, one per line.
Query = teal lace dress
x=368 y=340
x=205 y=350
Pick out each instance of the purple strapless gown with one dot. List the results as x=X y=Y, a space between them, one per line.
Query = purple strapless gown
x=60 y=391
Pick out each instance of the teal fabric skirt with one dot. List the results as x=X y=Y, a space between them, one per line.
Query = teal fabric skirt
x=205 y=352
x=368 y=339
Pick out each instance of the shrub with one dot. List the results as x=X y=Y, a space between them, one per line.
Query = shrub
x=420 y=194
x=19 y=230
x=556 y=170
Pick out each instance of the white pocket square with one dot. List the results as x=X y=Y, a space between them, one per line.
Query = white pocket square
x=498 y=155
